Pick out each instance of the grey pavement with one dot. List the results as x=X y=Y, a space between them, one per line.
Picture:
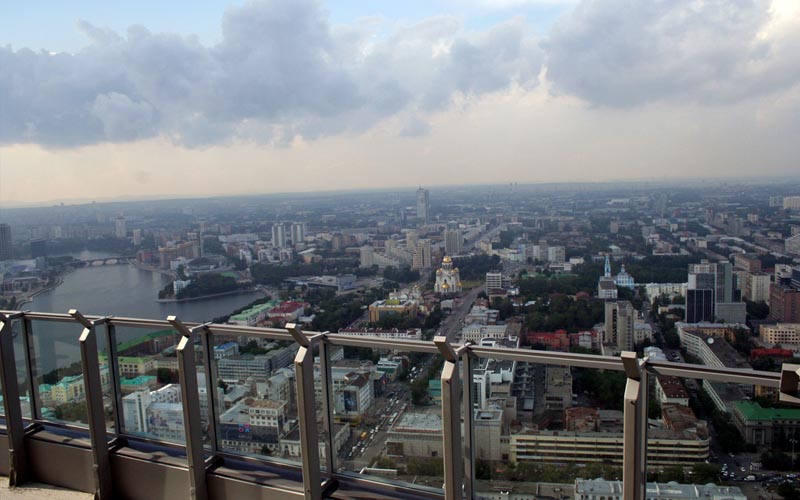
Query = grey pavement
x=35 y=491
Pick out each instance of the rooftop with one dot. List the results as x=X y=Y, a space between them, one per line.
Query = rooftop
x=754 y=411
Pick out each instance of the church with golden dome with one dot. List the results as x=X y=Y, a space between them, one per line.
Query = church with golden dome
x=448 y=280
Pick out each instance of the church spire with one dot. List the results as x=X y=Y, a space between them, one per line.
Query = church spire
x=607 y=267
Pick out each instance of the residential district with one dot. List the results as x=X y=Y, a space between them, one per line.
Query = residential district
x=704 y=274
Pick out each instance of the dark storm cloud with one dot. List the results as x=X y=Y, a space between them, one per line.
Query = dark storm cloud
x=281 y=69
x=630 y=52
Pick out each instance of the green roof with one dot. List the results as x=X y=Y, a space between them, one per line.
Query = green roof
x=132 y=359
x=230 y=274
x=242 y=316
x=144 y=338
x=754 y=411
x=140 y=380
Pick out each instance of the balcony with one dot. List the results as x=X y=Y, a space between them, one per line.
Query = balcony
x=193 y=441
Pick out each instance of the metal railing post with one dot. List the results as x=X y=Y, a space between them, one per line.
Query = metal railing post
x=326 y=382
x=789 y=391
x=469 y=417
x=306 y=411
x=634 y=447
x=93 y=388
x=211 y=385
x=114 y=380
x=18 y=467
x=451 y=417
x=192 y=422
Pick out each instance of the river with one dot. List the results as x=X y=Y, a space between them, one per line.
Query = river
x=114 y=290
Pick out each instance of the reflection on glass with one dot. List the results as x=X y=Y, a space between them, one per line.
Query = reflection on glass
x=536 y=426
x=387 y=414
x=678 y=438
x=256 y=395
x=149 y=385
x=59 y=377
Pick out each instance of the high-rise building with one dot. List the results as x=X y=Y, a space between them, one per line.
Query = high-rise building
x=298 y=232
x=452 y=241
x=423 y=206
x=137 y=237
x=493 y=281
x=619 y=324
x=5 y=242
x=699 y=305
x=792 y=245
x=759 y=287
x=367 y=256
x=422 y=255
x=412 y=239
x=556 y=255
x=784 y=303
x=278 y=235
x=714 y=277
x=38 y=248
x=791 y=203
x=120 y=227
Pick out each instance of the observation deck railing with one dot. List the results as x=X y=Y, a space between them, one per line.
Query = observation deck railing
x=114 y=464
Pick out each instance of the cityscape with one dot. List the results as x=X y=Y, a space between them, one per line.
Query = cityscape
x=417 y=250
x=673 y=273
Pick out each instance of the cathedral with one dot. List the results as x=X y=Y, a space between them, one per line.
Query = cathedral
x=448 y=280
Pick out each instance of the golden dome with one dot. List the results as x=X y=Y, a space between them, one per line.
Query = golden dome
x=447 y=259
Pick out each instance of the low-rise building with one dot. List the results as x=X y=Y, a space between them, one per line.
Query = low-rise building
x=766 y=426
x=781 y=333
x=415 y=434
x=381 y=309
x=665 y=447
x=670 y=390
x=595 y=489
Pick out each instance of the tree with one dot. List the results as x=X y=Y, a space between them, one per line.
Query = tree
x=385 y=463
x=167 y=376
x=705 y=473
x=72 y=412
x=788 y=492
x=757 y=310
x=425 y=466
x=672 y=474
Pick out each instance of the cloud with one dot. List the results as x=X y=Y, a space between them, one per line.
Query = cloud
x=630 y=52
x=281 y=70
x=415 y=127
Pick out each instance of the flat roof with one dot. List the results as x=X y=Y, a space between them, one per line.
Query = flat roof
x=754 y=411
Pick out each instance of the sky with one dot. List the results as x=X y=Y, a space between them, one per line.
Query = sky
x=152 y=99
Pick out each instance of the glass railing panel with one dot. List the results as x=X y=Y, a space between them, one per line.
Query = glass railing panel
x=387 y=407
x=539 y=428
x=257 y=397
x=727 y=434
x=149 y=383
x=22 y=371
x=59 y=382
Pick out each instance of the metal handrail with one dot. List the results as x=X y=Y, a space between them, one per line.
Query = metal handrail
x=454 y=406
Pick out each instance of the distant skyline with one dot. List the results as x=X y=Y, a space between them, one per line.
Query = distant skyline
x=192 y=99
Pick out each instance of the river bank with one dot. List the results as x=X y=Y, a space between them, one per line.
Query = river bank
x=213 y=295
x=146 y=267
x=59 y=280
